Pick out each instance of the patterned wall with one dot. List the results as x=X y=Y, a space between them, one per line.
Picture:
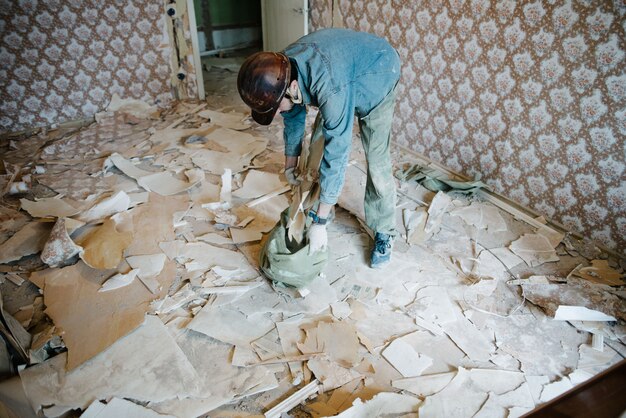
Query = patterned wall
x=63 y=60
x=529 y=95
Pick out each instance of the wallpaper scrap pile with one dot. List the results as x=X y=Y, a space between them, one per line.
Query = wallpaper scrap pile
x=135 y=243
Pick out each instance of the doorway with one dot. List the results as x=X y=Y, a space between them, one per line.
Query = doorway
x=226 y=26
x=229 y=31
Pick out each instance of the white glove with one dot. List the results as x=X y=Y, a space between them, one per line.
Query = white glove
x=318 y=238
x=290 y=173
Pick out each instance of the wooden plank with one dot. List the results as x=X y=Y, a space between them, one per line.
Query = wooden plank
x=193 y=27
x=288 y=404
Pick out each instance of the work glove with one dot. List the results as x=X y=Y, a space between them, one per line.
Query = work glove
x=292 y=179
x=318 y=238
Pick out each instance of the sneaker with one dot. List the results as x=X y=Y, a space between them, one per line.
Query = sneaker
x=381 y=253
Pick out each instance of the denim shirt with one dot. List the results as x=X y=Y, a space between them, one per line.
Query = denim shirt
x=343 y=73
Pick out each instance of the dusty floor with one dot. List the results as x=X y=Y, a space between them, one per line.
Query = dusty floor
x=460 y=324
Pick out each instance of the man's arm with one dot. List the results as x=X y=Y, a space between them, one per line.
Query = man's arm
x=293 y=133
x=338 y=115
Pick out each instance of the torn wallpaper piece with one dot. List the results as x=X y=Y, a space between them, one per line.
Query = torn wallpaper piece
x=227 y=186
x=59 y=247
x=576 y=292
x=382 y=404
x=445 y=354
x=469 y=339
x=14 y=334
x=339 y=341
x=29 y=240
x=148 y=268
x=425 y=385
x=134 y=107
x=415 y=222
x=436 y=210
x=331 y=374
x=482 y=216
x=534 y=249
x=468 y=398
x=219 y=381
x=240 y=236
x=117 y=408
x=227 y=324
x=104 y=246
x=91 y=320
x=580 y=313
x=494 y=263
x=258 y=183
x=227 y=120
x=213 y=238
x=405 y=359
x=127 y=369
x=163 y=183
x=265 y=214
x=233 y=150
x=49 y=207
x=119 y=280
x=106 y=207
x=370 y=319
x=153 y=223
x=202 y=256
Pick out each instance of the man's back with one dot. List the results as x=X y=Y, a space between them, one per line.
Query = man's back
x=331 y=61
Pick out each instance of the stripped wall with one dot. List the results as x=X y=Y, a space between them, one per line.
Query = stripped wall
x=529 y=95
x=63 y=61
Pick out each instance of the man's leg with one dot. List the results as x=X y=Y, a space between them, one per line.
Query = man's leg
x=380 y=190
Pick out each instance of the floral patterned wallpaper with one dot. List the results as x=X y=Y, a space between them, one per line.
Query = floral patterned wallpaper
x=63 y=60
x=529 y=95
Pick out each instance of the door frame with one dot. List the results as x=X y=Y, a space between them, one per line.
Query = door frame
x=195 y=47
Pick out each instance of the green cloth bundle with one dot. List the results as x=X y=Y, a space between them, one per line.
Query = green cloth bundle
x=290 y=263
x=436 y=181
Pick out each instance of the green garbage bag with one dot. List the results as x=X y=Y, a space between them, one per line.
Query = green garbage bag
x=288 y=262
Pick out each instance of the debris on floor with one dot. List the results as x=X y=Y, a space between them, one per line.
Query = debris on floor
x=132 y=285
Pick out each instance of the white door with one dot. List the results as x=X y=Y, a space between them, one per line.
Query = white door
x=284 y=21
